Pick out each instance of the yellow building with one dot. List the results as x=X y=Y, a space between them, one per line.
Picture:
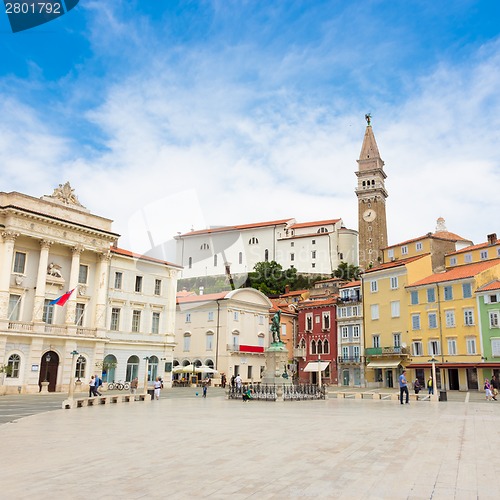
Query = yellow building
x=385 y=312
x=475 y=253
x=444 y=325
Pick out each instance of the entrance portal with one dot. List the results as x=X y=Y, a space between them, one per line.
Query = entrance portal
x=345 y=377
x=48 y=370
x=453 y=375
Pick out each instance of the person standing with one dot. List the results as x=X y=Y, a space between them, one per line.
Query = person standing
x=223 y=381
x=205 y=386
x=98 y=383
x=416 y=386
x=92 y=387
x=238 y=382
x=494 y=387
x=430 y=386
x=133 y=385
x=487 y=388
x=403 y=388
x=157 y=386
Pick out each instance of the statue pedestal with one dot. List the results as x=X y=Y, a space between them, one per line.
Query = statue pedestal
x=276 y=356
x=45 y=388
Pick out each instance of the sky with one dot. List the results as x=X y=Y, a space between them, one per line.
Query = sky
x=167 y=115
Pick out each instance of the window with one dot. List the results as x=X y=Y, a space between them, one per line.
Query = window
x=390 y=253
x=376 y=340
x=260 y=340
x=320 y=347
x=48 y=312
x=157 y=287
x=215 y=260
x=468 y=258
x=261 y=319
x=81 y=362
x=404 y=250
x=355 y=351
x=432 y=317
x=79 y=313
x=313 y=242
x=240 y=258
x=322 y=230
x=448 y=293
x=471 y=345
x=395 y=309
x=355 y=310
x=396 y=337
x=19 y=262
x=326 y=321
x=309 y=322
x=292 y=256
x=467 y=290
x=313 y=264
x=450 y=318
x=136 y=320
x=484 y=254
x=138 y=284
x=417 y=348
x=83 y=274
x=468 y=317
x=209 y=341
x=14 y=364
x=190 y=262
x=187 y=342
x=415 y=321
x=236 y=316
x=431 y=295
x=495 y=348
x=152 y=368
x=115 y=319
x=492 y=299
x=283 y=330
x=434 y=348
x=204 y=246
x=394 y=282
x=14 y=307
x=373 y=286
x=313 y=347
x=493 y=319
x=210 y=315
x=374 y=311
x=155 y=323
x=414 y=298
x=355 y=331
x=266 y=255
x=345 y=332
x=118 y=280
x=418 y=246
x=188 y=318
x=313 y=254
x=452 y=347
x=236 y=342
x=253 y=241
x=317 y=319
x=453 y=261
x=345 y=353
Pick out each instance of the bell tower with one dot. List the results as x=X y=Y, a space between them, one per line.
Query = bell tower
x=371 y=193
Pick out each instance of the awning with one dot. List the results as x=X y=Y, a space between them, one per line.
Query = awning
x=384 y=364
x=312 y=366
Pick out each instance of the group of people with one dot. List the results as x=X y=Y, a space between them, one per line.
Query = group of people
x=403 y=387
x=94 y=384
x=236 y=382
x=418 y=387
x=491 y=388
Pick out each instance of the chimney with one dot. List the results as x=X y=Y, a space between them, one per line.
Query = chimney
x=492 y=238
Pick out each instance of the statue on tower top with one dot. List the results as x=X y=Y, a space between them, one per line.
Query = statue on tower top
x=368 y=118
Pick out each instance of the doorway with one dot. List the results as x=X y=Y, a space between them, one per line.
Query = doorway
x=48 y=370
x=453 y=377
x=472 y=379
x=388 y=378
x=345 y=377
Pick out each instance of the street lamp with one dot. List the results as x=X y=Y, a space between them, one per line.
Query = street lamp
x=71 y=388
x=47 y=361
x=433 y=396
x=319 y=371
x=146 y=375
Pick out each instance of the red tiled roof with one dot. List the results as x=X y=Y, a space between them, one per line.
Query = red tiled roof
x=240 y=227
x=395 y=263
x=475 y=247
x=457 y=273
x=128 y=253
x=351 y=284
x=294 y=293
x=494 y=285
x=441 y=235
x=317 y=303
x=202 y=298
x=314 y=223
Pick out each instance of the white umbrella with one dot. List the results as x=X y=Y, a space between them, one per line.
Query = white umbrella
x=206 y=369
x=194 y=369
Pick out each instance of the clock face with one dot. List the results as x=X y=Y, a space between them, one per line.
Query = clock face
x=369 y=215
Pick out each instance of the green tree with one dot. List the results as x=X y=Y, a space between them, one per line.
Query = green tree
x=271 y=279
x=347 y=272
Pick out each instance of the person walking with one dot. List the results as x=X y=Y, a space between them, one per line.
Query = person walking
x=403 y=388
x=157 y=386
x=98 y=383
x=133 y=385
x=92 y=387
x=417 y=386
x=494 y=387
x=223 y=381
x=430 y=386
x=238 y=382
x=487 y=389
x=205 y=386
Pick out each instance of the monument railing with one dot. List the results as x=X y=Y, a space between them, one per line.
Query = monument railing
x=302 y=392
x=271 y=392
x=266 y=392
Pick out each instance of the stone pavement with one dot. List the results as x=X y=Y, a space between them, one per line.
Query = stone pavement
x=185 y=447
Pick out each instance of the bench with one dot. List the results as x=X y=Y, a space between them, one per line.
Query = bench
x=68 y=404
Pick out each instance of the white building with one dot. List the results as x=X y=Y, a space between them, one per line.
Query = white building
x=227 y=331
x=312 y=247
x=52 y=245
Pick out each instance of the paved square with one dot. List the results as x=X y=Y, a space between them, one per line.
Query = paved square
x=213 y=448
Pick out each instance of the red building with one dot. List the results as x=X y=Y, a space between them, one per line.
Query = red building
x=317 y=340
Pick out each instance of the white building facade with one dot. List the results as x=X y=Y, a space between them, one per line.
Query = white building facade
x=52 y=245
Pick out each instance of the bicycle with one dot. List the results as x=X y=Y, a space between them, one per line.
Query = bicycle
x=118 y=385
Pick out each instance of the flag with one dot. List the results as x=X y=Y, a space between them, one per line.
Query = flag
x=60 y=301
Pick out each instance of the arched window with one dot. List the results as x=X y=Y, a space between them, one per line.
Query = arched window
x=209 y=341
x=187 y=342
x=240 y=258
x=253 y=241
x=313 y=347
x=320 y=347
x=209 y=363
x=190 y=262
x=322 y=230
x=81 y=363
x=303 y=343
x=13 y=364
x=215 y=260
x=132 y=368
x=152 y=368
x=266 y=255
x=326 y=347
x=108 y=368
x=204 y=246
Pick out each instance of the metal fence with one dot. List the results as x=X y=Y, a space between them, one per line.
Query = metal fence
x=303 y=392
x=257 y=391
x=268 y=392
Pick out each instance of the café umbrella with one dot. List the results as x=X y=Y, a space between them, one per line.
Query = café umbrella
x=194 y=369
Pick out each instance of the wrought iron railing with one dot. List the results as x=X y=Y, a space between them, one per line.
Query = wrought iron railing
x=266 y=392
x=303 y=392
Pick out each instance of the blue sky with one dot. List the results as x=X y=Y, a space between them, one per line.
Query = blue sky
x=166 y=115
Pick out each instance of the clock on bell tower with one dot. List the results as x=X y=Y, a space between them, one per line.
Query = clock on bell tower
x=371 y=193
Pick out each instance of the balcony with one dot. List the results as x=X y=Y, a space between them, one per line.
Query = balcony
x=385 y=351
x=348 y=300
x=245 y=348
x=350 y=360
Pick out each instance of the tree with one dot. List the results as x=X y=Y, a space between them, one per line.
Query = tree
x=347 y=272
x=270 y=278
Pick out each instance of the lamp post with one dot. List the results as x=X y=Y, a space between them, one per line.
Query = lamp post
x=47 y=361
x=319 y=371
x=434 y=396
x=146 y=375
x=71 y=389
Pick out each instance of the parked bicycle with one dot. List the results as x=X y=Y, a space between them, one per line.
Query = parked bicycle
x=118 y=385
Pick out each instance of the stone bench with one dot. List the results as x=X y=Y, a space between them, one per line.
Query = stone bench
x=102 y=400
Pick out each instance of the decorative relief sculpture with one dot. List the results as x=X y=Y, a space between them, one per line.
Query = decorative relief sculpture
x=66 y=194
x=54 y=270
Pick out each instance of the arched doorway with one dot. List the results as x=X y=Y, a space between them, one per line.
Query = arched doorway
x=132 y=368
x=108 y=368
x=152 y=368
x=48 y=370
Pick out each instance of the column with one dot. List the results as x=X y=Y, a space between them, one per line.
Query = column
x=73 y=283
x=102 y=290
x=7 y=254
x=41 y=280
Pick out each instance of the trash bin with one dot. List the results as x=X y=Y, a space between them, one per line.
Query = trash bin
x=151 y=392
x=443 y=396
